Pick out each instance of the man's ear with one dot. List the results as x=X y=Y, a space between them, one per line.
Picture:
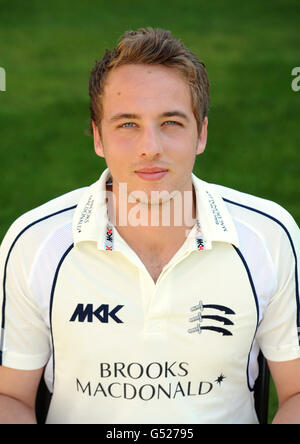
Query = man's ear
x=202 y=137
x=97 y=140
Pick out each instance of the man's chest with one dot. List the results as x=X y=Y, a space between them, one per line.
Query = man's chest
x=117 y=337
x=205 y=302
x=154 y=266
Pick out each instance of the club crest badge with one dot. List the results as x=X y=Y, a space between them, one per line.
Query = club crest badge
x=207 y=312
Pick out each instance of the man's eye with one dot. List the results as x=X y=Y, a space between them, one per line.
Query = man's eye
x=171 y=123
x=127 y=125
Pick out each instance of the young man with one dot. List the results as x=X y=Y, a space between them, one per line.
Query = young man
x=148 y=295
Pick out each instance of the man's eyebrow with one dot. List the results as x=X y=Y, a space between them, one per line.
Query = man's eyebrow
x=175 y=113
x=121 y=116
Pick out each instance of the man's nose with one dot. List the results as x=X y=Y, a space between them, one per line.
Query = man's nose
x=150 y=142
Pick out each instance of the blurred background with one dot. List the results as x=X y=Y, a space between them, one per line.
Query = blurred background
x=49 y=48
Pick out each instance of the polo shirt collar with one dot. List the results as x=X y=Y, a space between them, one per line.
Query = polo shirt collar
x=214 y=222
x=212 y=213
x=90 y=217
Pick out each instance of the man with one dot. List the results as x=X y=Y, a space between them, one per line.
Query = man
x=148 y=295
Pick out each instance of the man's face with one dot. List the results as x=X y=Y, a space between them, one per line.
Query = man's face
x=148 y=122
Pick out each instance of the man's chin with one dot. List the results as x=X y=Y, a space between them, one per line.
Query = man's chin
x=152 y=198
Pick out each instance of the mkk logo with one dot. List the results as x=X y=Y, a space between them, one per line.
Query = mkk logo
x=87 y=313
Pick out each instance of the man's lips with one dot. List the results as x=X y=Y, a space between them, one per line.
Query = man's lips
x=151 y=170
x=154 y=173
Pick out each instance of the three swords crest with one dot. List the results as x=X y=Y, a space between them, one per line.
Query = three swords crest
x=200 y=317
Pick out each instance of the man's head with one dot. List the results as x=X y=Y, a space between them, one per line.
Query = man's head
x=149 y=102
x=151 y=47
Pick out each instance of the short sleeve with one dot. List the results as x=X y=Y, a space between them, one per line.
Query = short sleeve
x=25 y=338
x=278 y=331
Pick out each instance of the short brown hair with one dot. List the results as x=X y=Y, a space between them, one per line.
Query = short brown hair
x=151 y=46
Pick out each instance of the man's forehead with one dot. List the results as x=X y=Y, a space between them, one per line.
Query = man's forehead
x=142 y=91
x=137 y=74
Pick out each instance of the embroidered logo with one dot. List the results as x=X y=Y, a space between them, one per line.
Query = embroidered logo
x=109 y=238
x=200 y=318
x=199 y=237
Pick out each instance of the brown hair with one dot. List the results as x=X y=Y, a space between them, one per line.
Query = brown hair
x=151 y=46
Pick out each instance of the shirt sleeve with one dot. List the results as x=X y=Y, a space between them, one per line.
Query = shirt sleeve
x=25 y=337
x=278 y=331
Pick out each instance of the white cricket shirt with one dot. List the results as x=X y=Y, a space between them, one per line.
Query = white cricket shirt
x=120 y=348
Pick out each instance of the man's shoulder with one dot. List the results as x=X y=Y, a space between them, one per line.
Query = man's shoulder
x=43 y=219
x=255 y=210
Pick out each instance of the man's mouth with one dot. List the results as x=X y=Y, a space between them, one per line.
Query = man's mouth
x=151 y=173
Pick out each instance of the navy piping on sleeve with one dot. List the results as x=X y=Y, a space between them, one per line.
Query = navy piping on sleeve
x=293 y=249
x=51 y=304
x=6 y=264
x=257 y=309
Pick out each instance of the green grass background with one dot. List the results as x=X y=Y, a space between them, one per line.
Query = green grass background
x=49 y=48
